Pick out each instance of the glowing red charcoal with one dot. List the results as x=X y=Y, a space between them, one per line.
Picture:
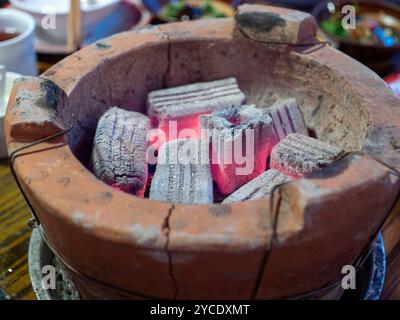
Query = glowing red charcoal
x=174 y=127
x=178 y=108
x=240 y=145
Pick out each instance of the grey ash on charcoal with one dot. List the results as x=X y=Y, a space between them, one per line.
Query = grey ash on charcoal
x=236 y=119
x=298 y=155
x=119 y=150
x=203 y=97
x=189 y=170
x=183 y=173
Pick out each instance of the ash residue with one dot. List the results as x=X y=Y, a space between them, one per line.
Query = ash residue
x=259 y=21
x=51 y=95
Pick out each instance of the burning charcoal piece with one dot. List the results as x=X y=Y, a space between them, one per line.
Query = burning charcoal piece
x=119 y=150
x=298 y=155
x=183 y=173
x=241 y=142
x=286 y=119
x=259 y=187
x=184 y=104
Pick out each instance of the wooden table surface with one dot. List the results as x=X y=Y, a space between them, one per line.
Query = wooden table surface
x=14 y=239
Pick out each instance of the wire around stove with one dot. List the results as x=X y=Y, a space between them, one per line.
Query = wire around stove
x=11 y=161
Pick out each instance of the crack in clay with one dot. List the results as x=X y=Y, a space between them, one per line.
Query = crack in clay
x=168 y=69
x=166 y=227
x=269 y=249
x=167 y=231
x=274 y=236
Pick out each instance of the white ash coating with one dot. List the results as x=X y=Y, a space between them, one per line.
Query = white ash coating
x=119 y=150
x=299 y=155
x=259 y=187
x=231 y=122
x=197 y=98
x=183 y=173
x=286 y=118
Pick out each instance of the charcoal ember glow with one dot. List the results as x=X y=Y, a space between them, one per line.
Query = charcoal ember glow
x=298 y=155
x=259 y=187
x=183 y=173
x=286 y=118
x=241 y=141
x=185 y=103
x=119 y=150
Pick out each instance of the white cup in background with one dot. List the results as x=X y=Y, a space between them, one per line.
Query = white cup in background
x=93 y=12
x=18 y=54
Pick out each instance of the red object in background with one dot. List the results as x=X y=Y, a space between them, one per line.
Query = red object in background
x=394 y=82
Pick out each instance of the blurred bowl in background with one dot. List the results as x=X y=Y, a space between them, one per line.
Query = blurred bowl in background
x=295 y=3
x=93 y=11
x=158 y=8
x=376 y=56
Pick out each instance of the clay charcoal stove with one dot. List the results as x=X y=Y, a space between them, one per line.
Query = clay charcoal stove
x=171 y=239
x=181 y=106
x=119 y=150
x=183 y=173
